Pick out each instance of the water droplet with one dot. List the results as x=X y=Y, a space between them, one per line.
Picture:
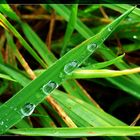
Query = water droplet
x=1 y=123
x=68 y=68
x=62 y=75
x=91 y=47
x=15 y=109
x=6 y=126
x=49 y=87
x=135 y=37
x=109 y=29
x=129 y=19
x=27 y=109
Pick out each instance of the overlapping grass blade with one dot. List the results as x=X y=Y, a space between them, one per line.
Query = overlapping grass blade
x=78 y=110
x=79 y=132
x=11 y=110
x=104 y=64
x=123 y=7
x=70 y=27
x=7 y=77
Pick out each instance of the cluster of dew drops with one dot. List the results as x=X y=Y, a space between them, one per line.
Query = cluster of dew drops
x=28 y=108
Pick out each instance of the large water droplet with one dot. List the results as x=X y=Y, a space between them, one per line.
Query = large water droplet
x=49 y=87
x=135 y=37
x=68 y=68
x=91 y=47
x=27 y=109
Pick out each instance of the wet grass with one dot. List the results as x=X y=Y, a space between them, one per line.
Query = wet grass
x=69 y=66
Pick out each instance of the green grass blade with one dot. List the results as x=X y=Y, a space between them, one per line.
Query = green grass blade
x=123 y=7
x=12 y=111
x=104 y=64
x=79 y=132
x=38 y=44
x=81 y=74
x=70 y=27
x=7 y=77
x=8 y=11
x=106 y=53
x=15 y=74
x=83 y=113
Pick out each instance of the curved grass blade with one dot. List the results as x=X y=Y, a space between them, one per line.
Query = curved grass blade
x=12 y=111
x=7 y=77
x=104 y=64
x=79 y=132
x=15 y=74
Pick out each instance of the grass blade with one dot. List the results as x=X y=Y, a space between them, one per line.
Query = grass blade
x=12 y=111
x=70 y=27
x=79 y=132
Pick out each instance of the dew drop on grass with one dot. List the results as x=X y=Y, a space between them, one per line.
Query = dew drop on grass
x=91 y=47
x=135 y=37
x=68 y=68
x=109 y=29
x=27 y=109
x=49 y=87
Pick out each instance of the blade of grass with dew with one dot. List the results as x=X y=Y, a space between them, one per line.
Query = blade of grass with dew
x=70 y=27
x=86 y=32
x=59 y=96
x=80 y=121
x=22 y=41
x=79 y=132
x=23 y=80
x=34 y=88
x=48 y=121
x=33 y=38
x=49 y=58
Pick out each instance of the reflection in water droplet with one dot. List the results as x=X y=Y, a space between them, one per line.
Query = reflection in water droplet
x=91 y=47
x=135 y=37
x=68 y=68
x=27 y=109
x=49 y=87
x=109 y=29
